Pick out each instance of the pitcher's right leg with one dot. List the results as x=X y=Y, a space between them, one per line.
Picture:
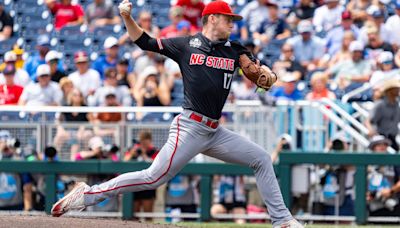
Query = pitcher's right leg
x=182 y=145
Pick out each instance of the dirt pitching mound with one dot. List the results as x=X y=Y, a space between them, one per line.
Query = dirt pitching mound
x=26 y=221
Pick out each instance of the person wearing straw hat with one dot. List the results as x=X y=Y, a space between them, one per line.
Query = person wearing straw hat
x=385 y=115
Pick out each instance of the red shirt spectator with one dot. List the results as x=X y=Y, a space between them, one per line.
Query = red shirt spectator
x=192 y=10
x=175 y=16
x=65 y=13
x=9 y=92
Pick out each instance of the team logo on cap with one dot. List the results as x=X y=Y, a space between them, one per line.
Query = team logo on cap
x=196 y=43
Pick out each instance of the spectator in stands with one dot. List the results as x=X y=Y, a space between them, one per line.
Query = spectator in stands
x=44 y=92
x=334 y=38
x=153 y=89
x=107 y=117
x=9 y=91
x=43 y=46
x=111 y=86
x=110 y=59
x=65 y=13
x=385 y=70
x=21 y=77
x=375 y=45
x=175 y=16
x=393 y=25
x=308 y=48
x=86 y=79
x=383 y=183
x=288 y=89
x=287 y=62
x=144 y=150
x=6 y=24
x=124 y=77
x=303 y=10
x=101 y=13
x=192 y=10
x=343 y=53
x=144 y=20
x=319 y=90
x=19 y=64
x=181 y=196
x=66 y=87
x=230 y=196
x=358 y=9
x=338 y=181
x=356 y=70
x=273 y=28
x=74 y=137
x=375 y=24
x=244 y=90
x=11 y=186
x=327 y=16
x=52 y=59
x=254 y=13
x=385 y=115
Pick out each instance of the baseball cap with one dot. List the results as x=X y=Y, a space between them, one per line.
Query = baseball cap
x=272 y=3
x=378 y=139
x=149 y=70
x=43 y=69
x=288 y=77
x=220 y=7
x=346 y=15
x=10 y=56
x=385 y=56
x=305 y=26
x=182 y=25
x=43 y=40
x=356 y=46
x=374 y=11
x=96 y=142
x=81 y=56
x=110 y=42
x=9 y=69
x=52 y=55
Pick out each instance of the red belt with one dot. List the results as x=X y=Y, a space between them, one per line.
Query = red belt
x=199 y=118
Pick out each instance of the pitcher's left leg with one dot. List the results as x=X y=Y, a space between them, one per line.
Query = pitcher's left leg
x=231 y=147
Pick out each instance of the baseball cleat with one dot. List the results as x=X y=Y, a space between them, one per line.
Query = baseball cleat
x=74 y=200
x=290 y=224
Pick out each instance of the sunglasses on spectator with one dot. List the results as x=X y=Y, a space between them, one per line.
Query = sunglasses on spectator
x=287 y=50
x=44 y=75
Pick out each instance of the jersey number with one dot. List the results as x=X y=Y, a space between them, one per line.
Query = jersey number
x=227 y=80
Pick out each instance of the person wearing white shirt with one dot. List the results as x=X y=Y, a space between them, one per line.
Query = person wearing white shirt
x=87 y=80
x=328 y=16
x=254 y=13
x=111 y=86
x=308 y=48
x=44 y=92
x=21 y=77
x=376 y=18
x=393 y=25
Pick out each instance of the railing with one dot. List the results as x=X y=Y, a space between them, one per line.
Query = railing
x=312 y=122
x=206 y=171
x=360 y=161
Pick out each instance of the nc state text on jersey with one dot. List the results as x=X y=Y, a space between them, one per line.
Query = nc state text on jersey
x=212 y=61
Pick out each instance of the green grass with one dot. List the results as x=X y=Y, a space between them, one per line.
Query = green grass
x=232 y=225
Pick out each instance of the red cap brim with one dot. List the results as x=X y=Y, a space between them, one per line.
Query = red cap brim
x=236 y=17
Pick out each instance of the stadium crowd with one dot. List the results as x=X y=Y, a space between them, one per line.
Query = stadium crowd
x=79 y=55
